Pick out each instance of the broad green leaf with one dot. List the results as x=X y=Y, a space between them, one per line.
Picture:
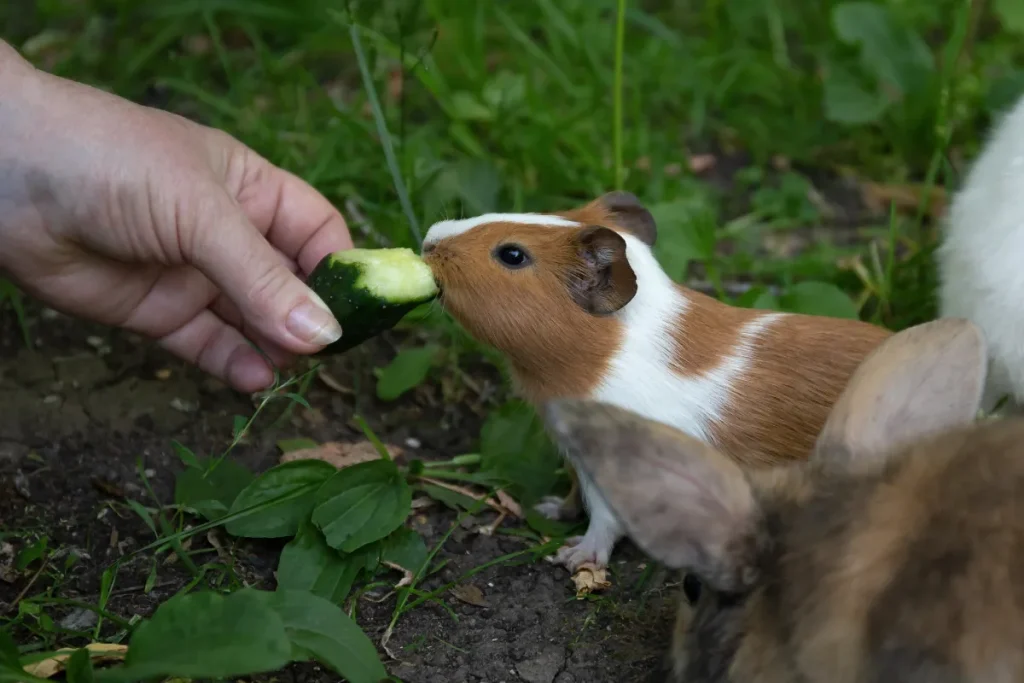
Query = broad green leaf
x=476 y=183
x=79 y=667
x=308 y=563
x=504 y=90
x=894 y=53
x=453 y=499
x=297 y=481
x=405 y=548
x=211 y=494
x=548 y=527
x=238 y=426
x=406 y=371
x=686 y=231
x=9 y=655
x=846 y=101
x=466 y=107
x=362 y=504
x=1010 y=13
x=208 y=635
x=185 y=454
x=753 y=296
x=817 y=298
x=514 y=444
x=321 y=630
x=1004 y=91
x=766 y=300
x=34 y=552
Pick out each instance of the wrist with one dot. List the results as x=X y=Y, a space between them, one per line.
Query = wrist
x=15 y=75
x=12 y=64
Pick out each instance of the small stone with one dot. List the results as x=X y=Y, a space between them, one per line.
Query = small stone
x=21 y=485
x=412 y=442
x=184 y=406
x=79 y=620
x=544 y=667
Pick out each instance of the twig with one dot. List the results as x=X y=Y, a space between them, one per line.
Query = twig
x=472 y=494
x=28 y=585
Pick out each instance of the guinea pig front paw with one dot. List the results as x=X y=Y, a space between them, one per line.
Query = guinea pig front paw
x=580 y=550
x=551 y=507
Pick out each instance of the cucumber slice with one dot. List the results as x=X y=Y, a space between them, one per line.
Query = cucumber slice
x=370 y=290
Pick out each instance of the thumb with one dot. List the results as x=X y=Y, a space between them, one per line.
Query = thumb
x=236 y=257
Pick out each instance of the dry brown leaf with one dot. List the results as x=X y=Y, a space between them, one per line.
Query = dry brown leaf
x=906 y=197
x=407 y=576
x=510 y=504
x=423 y=502
x=469 y=594
x=590 y=579
x=470 y=493
x=8 y=574
x=341 y=455
x=489 y=529
x=99 y=652
x=329 y=379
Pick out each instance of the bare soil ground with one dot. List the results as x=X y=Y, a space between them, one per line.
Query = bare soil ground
x=80 y=411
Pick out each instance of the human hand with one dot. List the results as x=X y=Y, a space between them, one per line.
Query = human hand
x=137 y=218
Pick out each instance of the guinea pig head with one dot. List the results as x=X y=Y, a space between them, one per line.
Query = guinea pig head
x=541 y=288
x=782 y=554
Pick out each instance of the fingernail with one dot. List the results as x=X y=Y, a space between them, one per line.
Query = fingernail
x=311 y=321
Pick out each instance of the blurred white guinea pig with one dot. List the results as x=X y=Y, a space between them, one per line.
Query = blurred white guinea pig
x=580 y=307
x=981 y=259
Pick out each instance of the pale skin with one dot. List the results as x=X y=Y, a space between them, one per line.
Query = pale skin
x=140 y=219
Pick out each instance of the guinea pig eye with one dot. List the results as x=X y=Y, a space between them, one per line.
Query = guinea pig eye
x=512 y=256
x=691 y=588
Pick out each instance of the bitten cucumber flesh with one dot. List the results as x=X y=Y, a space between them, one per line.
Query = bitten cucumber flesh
x=370 y=290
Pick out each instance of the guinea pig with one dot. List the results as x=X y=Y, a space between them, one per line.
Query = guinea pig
x=895 y=552
x=580 y=307
x=979 y=259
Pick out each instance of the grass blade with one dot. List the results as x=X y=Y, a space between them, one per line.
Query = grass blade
x=620 y=41
x=382 y=132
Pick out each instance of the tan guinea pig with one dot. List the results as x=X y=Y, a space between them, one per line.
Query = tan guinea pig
x=894 y=553
x=578 y=304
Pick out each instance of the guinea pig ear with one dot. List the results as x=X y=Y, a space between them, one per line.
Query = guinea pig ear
x=600 y=281
x=629 y=214
x=917 y=383
x=682 y=502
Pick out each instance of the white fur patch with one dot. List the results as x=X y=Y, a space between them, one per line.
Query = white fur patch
x=450 y=228
x=640 y=376
x=979 y=262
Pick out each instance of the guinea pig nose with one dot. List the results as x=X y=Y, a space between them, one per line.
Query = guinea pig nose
x=429 y=247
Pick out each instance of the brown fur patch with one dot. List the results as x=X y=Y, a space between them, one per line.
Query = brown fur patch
x=556 y=348
x=620 y=210
x=910 y=571
x=800 y=366
x=707 y=332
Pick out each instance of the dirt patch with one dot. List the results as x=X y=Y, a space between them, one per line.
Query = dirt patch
x=87 y=419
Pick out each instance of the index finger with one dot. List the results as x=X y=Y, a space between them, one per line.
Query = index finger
x=296 y=219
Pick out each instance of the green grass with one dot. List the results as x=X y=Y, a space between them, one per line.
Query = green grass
x=406 y=111
x=454 y=108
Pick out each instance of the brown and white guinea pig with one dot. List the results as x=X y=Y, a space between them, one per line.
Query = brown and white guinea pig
x=894 y=553
x=578 y=304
